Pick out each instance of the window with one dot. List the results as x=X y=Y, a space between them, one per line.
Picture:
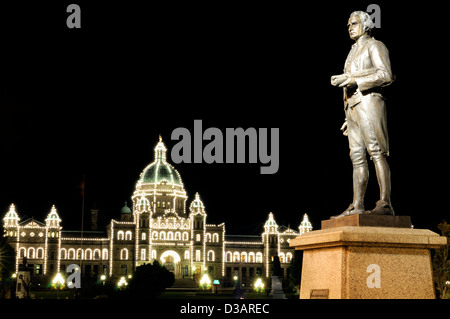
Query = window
x=162 y=235
x=124 y=254
x=186 y=254
x=22 y=252
x=88 y=254
x=40 y=253
x=197 y=255
x=169 y=235
x=208 y=237
x=155 y=235
x=97 y=254
x=198 y=237
x=215 y=238
x=79 y=253
x=153 y=254
x=236 y=256
x=31 y=252
x=211 y=255
x=259 y=257
x=229 y=256
x=71 y=254
x=105 y=254
x=244 y=257
x=120 y=235
x=143 y=236
x=185 y=236
x=281 y=256
x=288 y=257
x=251 y=257
x=63 y=253
x=177 y=235
x=128 y=235
x=143 y=251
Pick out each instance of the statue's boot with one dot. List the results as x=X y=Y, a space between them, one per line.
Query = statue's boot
x=360 y=178
x=349 y=211
x=383 y=206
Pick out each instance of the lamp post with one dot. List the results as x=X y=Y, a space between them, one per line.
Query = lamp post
x=258 y=286
x=103 y=278
x=122 y=282
x=58 y=281
x=205 y=282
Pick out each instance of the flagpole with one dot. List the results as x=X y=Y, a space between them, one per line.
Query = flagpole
x=82 y=222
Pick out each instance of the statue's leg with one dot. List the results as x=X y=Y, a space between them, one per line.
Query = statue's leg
x=360 y=167
x=383 y=206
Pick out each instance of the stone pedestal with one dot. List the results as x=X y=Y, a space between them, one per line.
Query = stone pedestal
x=277 y=288
x=353 y=262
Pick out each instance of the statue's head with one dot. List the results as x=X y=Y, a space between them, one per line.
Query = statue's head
x=359 y=24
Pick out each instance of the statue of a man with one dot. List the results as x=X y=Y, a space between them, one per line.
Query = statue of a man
x=367 y=69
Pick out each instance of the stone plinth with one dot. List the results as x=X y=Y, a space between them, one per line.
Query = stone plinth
x=354 y=262
x=368 y=220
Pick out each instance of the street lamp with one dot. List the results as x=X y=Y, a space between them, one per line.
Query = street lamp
x=122 y=282
x=259 y=286
x=205 y=282
x=58 y=281
x=103 y=278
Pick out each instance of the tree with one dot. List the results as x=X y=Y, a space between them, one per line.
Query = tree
x=295 y=271
x=441 y=263
x=7 y=258
x=149 y=281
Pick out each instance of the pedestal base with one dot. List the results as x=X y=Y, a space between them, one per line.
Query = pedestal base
x=368 y=262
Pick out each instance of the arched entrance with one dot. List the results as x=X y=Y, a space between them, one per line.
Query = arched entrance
x=171 y=260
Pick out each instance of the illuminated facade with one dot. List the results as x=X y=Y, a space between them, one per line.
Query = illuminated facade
x=157 y=226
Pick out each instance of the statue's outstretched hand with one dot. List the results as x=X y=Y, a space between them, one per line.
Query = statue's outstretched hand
x=344 y=128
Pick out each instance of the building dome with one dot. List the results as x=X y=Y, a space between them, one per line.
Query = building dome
x=160 y=171
x=125 y=209
x=159 y=189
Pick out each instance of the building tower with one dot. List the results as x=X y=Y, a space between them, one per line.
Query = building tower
x=52 y=241
x=270 y=238
x=197 y=216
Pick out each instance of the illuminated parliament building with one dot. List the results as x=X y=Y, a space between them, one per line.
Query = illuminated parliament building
x=161 y=225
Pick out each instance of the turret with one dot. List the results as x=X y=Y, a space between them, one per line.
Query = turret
x=11 y=221
x=305 y=225
x=53 y=220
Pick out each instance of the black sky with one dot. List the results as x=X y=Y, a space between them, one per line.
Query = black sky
x=93 y=101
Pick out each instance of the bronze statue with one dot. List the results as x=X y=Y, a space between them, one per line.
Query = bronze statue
x=367 y=69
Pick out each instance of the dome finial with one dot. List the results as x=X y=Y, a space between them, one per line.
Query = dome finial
x=160 y=151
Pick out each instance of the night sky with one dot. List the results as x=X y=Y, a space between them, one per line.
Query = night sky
x=93 y=102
